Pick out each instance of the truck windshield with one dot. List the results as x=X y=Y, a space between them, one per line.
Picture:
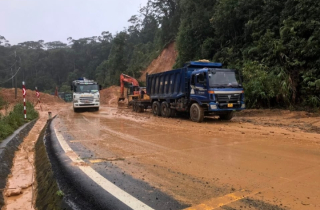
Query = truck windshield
x=86 y=88
x=223 y=79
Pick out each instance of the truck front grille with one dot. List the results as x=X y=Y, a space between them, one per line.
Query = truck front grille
x=86 y=100
x=228 y=98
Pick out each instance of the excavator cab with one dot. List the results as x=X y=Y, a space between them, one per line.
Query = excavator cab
x=133 y=90
x=133 y=93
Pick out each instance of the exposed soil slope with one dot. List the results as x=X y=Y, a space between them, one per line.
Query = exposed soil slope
x=164 y=62
x=9 y=96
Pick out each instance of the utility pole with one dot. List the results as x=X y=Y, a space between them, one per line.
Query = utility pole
x=12 y=77
x=15 y=78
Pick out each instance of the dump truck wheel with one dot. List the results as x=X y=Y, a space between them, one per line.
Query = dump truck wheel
x=156 y=108
x=165 y=110
x=196 y=113
x=227 y=116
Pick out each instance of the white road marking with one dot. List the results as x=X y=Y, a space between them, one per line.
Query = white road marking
x=123 y=196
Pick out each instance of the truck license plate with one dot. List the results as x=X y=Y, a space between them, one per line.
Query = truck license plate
x=230 y=105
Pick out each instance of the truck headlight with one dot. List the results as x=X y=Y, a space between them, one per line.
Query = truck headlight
x=243 y=106
x=97 y=100
x=75 y=101
x=213 y=106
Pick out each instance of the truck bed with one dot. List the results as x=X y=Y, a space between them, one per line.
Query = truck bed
x=168 y=85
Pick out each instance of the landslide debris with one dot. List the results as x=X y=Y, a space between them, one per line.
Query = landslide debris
x=9 y=96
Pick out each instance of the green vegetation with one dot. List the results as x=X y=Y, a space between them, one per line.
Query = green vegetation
x=59 y=193
x=102 y=58
x=15 y=119
x=274 y=43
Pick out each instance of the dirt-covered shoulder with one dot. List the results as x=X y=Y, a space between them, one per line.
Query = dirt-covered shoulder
x=294 y=121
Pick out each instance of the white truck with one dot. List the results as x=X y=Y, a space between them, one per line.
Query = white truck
x=85 y=94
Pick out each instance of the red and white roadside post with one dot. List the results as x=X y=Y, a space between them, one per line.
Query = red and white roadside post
x=24 y=93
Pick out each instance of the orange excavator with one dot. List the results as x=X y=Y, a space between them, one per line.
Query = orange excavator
x=134 y=91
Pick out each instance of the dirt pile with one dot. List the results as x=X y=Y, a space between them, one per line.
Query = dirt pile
x=109 y=96
x=9 y=96
x=164 y=62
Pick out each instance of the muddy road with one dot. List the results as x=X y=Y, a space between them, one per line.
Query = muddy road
x=259 y=160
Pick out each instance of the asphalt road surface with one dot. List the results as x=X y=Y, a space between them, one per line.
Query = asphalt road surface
x=150 y=162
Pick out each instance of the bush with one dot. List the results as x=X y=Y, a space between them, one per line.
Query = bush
x=264 y=87
x=15 y=119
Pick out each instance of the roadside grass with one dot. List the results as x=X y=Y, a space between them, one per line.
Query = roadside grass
x=15 y=119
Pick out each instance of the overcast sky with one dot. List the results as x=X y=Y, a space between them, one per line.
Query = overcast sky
x=56 y=20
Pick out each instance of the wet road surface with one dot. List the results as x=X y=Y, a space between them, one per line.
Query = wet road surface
x=212 y=165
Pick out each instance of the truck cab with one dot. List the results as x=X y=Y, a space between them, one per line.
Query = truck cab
x=85 y=94
x=216 y=89
x=219 y=89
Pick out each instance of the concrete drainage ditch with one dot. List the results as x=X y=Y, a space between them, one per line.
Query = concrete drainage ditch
x=47 y=193
x=8 y=147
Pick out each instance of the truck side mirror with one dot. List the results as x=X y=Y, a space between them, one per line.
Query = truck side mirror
x=71 y=87
x=100 y=87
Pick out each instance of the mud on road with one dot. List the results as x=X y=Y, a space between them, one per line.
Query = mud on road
x=266 y=159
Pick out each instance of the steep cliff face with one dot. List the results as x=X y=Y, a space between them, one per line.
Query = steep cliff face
x=164 y=62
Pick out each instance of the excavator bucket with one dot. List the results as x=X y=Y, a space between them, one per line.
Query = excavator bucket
x=121 y=99
x=121 y=102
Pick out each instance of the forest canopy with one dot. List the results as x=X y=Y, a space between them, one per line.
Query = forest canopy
x=275 y=45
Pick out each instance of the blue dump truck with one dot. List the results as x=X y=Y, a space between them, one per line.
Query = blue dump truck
x=199 y=88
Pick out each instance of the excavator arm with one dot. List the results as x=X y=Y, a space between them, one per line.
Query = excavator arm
x=125 y=78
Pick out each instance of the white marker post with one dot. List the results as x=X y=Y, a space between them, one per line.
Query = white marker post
x=24 y=93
